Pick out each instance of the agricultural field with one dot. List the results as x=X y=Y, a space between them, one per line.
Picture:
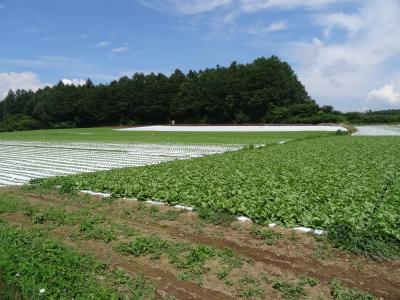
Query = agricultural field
x=345 y=185
x=123 y=247
x=111 y=135
x=21 y=162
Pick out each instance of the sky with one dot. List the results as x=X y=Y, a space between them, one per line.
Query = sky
x=345 y=52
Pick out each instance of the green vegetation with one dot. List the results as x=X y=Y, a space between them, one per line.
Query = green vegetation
x=108 y=135
x=340 y=292
x=346 y=185
x=266 y=90
x=215 y=217
x=235 y=94
x=34 y=266
x=270 y=236
x=249 y=287
x=32 y=260
x=190 y=259
x=294 y=290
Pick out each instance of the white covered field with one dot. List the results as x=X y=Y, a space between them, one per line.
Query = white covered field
x=238 y=128
x=378 y=130
x=23 y=161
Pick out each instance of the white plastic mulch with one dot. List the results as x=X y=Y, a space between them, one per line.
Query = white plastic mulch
x=22 y=161
x=266 y=128
x=378 y=130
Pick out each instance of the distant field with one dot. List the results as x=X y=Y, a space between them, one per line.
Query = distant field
x=378 y=130
x=108 y=135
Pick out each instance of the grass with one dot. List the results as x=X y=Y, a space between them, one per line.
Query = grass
x=37 y=266
x=107 y=135
x=34 y=266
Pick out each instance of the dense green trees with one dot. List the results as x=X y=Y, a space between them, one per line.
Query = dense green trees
x=266 y=90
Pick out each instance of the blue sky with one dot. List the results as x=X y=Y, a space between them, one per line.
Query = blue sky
x=346 y=52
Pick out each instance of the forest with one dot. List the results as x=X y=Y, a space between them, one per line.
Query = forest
x=264 y=91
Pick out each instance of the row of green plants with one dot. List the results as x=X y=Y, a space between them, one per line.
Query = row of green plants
x=346 y=185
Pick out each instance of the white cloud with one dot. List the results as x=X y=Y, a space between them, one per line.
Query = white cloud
x=351 y=23
x=389 y=94
x=46 y=62
x=342 y=72
x=276 y=26
x=103 y=44
x=192 y=7
x=186 y=7
x=15 y=81
x=76 y=82
x=264 y=29
x=256 y=5
x=120 y=50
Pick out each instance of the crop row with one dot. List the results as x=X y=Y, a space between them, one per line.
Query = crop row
x=348 y=185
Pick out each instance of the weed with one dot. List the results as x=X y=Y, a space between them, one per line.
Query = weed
x=290 y=290
x=39 y=218
x=249 y=287
x=357 y=264
x=154 y=210
x=294 y=290
x=144 y=245
x=138 y=288
x=143 y=289
x=223 y=273
x=12 y=204
x=270 y=236
x=293 y=238
x=170 y=215
x=187 y=257
x=364 y=240
x=68 y=187
x=90 y=228
x=312 y=282
x=322 y=251
x=214 y=217
x=339 y=292
x=198 y=227
x=58 y=216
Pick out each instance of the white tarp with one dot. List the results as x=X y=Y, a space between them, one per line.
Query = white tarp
x=266 y=128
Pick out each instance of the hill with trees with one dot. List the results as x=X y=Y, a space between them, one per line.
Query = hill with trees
x=266 y=90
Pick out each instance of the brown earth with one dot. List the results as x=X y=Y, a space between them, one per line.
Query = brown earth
x=294 y=256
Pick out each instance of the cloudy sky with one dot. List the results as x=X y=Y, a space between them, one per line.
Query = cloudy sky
x=346 y=52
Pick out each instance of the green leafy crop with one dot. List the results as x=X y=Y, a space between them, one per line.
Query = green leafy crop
x=346 y=185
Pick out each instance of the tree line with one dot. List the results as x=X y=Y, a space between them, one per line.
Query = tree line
x=264 y=91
